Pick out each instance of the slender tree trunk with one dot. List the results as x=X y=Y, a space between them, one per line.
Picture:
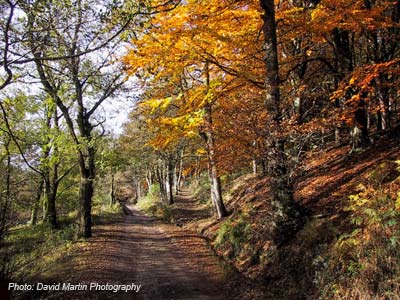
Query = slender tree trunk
x=160 y=177
x=138 y=189
x=216 y=191
x=86 y=157
x=50 y=198
x=197 y=170
x=170 y=179
x=112 y=189
x=51 y=181
x=175 y=179
x=180 y=170
x=264 y=167
x=285 y=209
x=149 y=179
x=208 y=135
x=36 y=203
x=6 y=193
x=254 y=165
x=383 y=113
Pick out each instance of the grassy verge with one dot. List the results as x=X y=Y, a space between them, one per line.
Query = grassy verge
x=25 y=244
x=152 y=205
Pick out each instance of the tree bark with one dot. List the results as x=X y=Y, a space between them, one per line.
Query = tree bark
x=179 y=172
x=208 y=135
x=36 y=203
x=216 y=191
x=197 y=170
x=50 y=213
x=87 y=173
x=85 y=207
x=50 y=173
x=149 y=178
x=254 y=165
x=161 y=181
x=112 y=189
x=138 y=189
x=170 y=179
x=5 y=205
x=285 y=208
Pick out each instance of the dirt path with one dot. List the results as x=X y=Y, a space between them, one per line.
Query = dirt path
x=171 y=263
x=168 y=262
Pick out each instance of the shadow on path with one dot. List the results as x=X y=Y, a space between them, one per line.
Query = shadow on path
x=166 y=261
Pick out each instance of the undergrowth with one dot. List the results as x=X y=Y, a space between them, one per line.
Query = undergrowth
x=364 y=263
x=234 y=235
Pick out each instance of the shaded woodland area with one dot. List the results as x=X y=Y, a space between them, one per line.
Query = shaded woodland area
x=270 y=128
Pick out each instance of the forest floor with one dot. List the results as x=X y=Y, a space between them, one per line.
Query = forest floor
x=168 y=262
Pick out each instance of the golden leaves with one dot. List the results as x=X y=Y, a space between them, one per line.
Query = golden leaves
x=353 y=16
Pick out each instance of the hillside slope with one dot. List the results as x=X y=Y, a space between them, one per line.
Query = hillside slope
x=348 y=247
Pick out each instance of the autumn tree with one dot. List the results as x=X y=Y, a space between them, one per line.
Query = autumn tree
x=201 y=65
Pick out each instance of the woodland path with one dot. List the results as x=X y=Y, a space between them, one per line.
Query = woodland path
x=167 y=261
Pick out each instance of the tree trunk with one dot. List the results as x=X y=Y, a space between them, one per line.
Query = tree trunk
x=138 y=189
x=36 y=203
x=264 y=167
x=87 y=172
x=170 y=180
x=5 y=204
x=179 y=171
x=383 y=113
x=161 y=183
x=175 y=179
x=112 y=189
x=179 y=179
x=85 y=207
x=208 y=135
x=197 y=170
x=51 y=180
x=254 y=165
x=149 y=179
x=216 y=191
x=50 y=215
x=286 y=210
x=361 y=118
